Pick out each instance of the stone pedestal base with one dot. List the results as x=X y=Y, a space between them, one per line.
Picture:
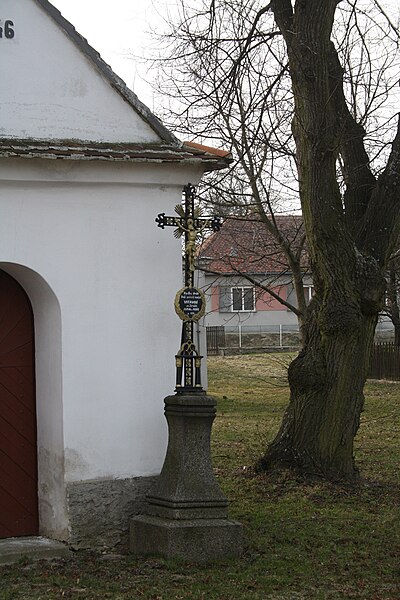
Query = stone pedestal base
x=197 y=540
x=185 y=514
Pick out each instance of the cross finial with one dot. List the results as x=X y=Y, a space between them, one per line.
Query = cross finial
x=190 y=223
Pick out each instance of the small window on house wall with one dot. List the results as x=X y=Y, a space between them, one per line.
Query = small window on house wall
x=308 y=292
x=243 y=299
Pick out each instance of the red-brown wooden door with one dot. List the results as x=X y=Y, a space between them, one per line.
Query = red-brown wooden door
x=18 y=449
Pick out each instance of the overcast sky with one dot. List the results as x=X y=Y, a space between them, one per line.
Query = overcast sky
x=119 y=29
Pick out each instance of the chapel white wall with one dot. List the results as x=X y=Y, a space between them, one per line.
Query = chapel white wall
x=88 y=230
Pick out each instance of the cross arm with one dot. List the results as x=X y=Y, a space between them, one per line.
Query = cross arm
x=163 y=221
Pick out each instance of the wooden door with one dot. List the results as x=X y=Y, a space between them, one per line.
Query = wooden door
x=18 y=449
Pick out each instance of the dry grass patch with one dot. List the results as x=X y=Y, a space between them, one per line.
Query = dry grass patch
x=312 y=541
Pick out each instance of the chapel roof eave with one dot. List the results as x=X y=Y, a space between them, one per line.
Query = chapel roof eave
x=210 y=159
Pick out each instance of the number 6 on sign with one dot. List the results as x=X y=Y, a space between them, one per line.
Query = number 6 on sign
x=7 y=30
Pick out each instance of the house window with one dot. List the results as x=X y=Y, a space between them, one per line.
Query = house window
x=308 y=292
x=243 y=299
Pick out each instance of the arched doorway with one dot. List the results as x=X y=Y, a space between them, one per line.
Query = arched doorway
x=18 y=446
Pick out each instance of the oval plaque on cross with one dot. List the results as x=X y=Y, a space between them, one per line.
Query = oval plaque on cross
x=190 y=304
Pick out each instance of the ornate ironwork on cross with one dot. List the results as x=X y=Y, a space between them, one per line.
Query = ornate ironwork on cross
x=190 y=302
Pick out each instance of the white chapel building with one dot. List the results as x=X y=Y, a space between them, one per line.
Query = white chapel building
x=88 y=332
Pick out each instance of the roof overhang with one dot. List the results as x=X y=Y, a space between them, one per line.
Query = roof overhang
x=189 y=153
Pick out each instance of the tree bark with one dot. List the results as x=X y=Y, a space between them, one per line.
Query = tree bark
x=397 y=334
x=322 y=419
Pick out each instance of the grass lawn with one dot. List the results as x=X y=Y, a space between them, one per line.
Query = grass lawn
x=311 y=541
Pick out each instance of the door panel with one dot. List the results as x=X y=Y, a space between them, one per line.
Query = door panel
x=18 y=448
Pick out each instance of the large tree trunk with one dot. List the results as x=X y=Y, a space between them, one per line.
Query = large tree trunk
x=348 y=239
x=326 y=382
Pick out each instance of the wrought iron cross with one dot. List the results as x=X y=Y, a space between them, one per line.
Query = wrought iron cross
x=188 y=223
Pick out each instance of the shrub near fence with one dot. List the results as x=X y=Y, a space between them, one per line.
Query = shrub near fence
x=385 y=362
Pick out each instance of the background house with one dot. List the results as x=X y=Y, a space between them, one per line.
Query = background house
x=238 y=263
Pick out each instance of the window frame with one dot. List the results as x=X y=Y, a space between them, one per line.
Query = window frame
x=243 y=288
x=308 y=291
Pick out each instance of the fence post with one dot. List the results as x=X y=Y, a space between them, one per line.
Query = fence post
x=280 y=336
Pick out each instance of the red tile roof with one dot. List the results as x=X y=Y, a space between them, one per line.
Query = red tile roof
x=247 y=246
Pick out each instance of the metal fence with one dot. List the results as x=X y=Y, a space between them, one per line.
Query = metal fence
x=385 y=362
x=242 y=338
x=215 y=340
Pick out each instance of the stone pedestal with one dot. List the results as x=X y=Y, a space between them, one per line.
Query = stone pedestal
x=186 y=512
